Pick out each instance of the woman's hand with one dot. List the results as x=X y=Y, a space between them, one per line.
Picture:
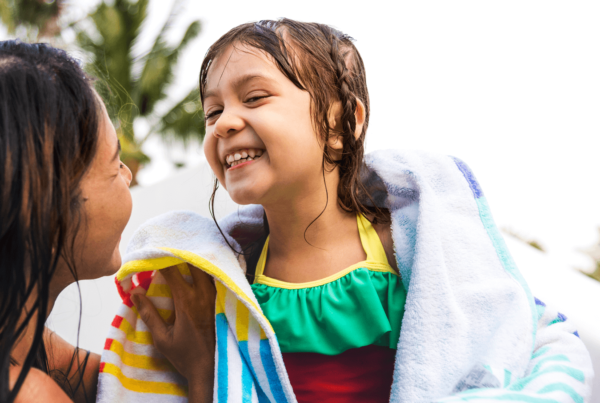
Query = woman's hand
x=189 y=340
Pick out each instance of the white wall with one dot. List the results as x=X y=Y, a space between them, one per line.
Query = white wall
x=577 y=296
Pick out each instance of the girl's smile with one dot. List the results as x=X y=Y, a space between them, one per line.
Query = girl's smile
x=242 y=156
x=242 y=163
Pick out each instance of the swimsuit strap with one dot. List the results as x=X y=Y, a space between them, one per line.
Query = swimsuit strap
x=370 y=241
x=262 y=260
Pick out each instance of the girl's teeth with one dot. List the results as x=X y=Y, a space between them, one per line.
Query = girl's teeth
x=243 y=156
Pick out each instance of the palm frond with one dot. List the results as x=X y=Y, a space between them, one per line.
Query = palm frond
x=185 y=121
x=158 y=69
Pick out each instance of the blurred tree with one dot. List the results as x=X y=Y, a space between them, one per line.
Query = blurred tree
x=132 y=85
x=594 y=253
x=531 y=242
x=31 y=19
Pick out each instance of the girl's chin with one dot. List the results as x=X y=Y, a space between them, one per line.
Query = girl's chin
x=244 y=195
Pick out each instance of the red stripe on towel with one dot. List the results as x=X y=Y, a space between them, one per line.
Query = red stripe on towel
x=117 y=321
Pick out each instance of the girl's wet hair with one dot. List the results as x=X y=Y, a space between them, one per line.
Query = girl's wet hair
x=324 y=62
x=49 y=120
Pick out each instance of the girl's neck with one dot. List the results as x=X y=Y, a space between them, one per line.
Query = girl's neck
x=323 y=247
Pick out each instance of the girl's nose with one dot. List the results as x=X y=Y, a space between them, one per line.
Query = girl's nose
x=228 y=124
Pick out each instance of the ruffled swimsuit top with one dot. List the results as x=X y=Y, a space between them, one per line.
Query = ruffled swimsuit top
x=338 y=335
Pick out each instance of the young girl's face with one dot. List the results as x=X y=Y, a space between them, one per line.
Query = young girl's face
x=253 y=110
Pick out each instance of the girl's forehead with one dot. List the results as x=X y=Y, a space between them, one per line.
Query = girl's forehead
x=236 y=60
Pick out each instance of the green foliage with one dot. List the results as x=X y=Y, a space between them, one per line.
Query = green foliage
x=594 y=253
x=37 y=17
x=531 y=242
x=110 y=40
x=596 y=274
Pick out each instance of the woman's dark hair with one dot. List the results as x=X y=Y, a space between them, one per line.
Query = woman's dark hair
x=323 y=61
x=49 y=121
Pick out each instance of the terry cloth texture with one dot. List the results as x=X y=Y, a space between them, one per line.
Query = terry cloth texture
x=472 y=330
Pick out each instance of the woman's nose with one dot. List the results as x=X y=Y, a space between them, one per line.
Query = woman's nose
x=128 y=175
x=228 y=124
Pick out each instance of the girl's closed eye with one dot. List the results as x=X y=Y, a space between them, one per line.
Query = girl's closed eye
x=256 y=98
x=212 y=114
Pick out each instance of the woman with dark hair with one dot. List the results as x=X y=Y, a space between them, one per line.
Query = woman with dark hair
x=64 y=203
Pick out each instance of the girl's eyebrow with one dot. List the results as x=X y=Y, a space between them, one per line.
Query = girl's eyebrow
x=239 y=82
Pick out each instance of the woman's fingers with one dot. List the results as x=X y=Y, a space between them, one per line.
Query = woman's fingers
x=150 y=316
x=174 y=278
x=201 y=279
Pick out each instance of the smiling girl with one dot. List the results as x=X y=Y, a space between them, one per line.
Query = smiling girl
x=427 y=312
x=285 y=129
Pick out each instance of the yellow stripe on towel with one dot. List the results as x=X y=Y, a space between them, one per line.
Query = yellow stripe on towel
x=133 y=335
x=164 y=313
x=136 y=266
x=136 y=385
x=159 y=290
x=221 y=295
x=141 y=361
x=242 y=321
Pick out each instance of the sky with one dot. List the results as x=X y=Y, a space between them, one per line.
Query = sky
x=512 y=88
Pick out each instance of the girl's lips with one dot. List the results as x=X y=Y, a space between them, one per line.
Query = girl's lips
x=243 y=164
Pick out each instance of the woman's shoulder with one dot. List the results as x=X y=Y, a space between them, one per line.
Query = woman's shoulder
x=38 y=387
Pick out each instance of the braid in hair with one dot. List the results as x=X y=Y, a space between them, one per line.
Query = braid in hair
x=350 y=189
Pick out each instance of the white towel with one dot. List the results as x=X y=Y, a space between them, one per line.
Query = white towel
x=471 y=330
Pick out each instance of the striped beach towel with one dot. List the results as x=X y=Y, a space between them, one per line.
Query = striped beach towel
x=471 y=331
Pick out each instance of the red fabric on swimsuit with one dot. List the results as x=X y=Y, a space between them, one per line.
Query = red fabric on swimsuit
x=357 y=375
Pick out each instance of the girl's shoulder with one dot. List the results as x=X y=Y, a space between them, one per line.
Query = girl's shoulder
x=38 y=387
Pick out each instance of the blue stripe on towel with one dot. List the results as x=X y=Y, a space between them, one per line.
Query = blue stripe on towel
x=222 y=370
x=497 y=240
x=266 y=356
x=506 y=260
x=249 y=369
x=507 y=377
x=246 y=375
x=468 y=174
x=563 y=388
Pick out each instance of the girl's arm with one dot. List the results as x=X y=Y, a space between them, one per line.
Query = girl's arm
x=560 y=369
